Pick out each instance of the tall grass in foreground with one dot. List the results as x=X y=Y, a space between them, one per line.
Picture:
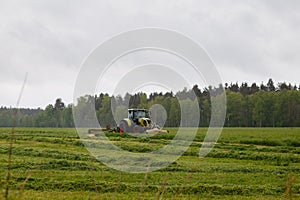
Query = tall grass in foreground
x=11 y=141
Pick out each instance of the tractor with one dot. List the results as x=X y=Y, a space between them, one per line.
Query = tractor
x=138 y=121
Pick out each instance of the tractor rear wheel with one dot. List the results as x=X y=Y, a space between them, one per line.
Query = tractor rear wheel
x=123 y=127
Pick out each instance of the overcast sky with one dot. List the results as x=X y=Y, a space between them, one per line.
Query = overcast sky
x=248 y=40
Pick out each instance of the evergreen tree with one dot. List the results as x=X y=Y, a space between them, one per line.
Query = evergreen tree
x=270 y=85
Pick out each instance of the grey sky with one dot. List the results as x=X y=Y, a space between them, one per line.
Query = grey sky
x=248 y=40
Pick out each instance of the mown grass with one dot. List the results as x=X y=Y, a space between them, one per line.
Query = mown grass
x=246 y=163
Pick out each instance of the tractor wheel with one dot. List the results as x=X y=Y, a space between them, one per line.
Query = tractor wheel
x=123 y=127
x=137 y=129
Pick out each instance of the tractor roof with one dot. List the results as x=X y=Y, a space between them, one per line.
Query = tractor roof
x=138 y=109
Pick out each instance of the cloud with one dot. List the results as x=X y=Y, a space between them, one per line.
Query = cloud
x=248 y=40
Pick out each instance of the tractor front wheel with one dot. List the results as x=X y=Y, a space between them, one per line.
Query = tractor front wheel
x=138 y=129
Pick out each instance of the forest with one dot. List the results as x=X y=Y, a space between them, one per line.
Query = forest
x=264 y=105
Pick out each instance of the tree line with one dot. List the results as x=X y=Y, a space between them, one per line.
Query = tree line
x=264 y=105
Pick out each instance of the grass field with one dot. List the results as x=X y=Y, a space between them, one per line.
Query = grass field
x=247 y=163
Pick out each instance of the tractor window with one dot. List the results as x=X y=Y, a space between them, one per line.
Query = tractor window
x=135 y=115
x=130 y=114
x=142 y=114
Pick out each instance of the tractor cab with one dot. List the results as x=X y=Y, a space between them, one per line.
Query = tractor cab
x=136 y=114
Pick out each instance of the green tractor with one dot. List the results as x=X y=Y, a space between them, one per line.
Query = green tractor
x=138 y=121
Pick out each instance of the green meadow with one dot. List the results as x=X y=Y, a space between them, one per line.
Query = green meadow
x=246 y=163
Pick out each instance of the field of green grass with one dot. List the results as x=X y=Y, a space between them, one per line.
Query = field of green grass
x=246 y=163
